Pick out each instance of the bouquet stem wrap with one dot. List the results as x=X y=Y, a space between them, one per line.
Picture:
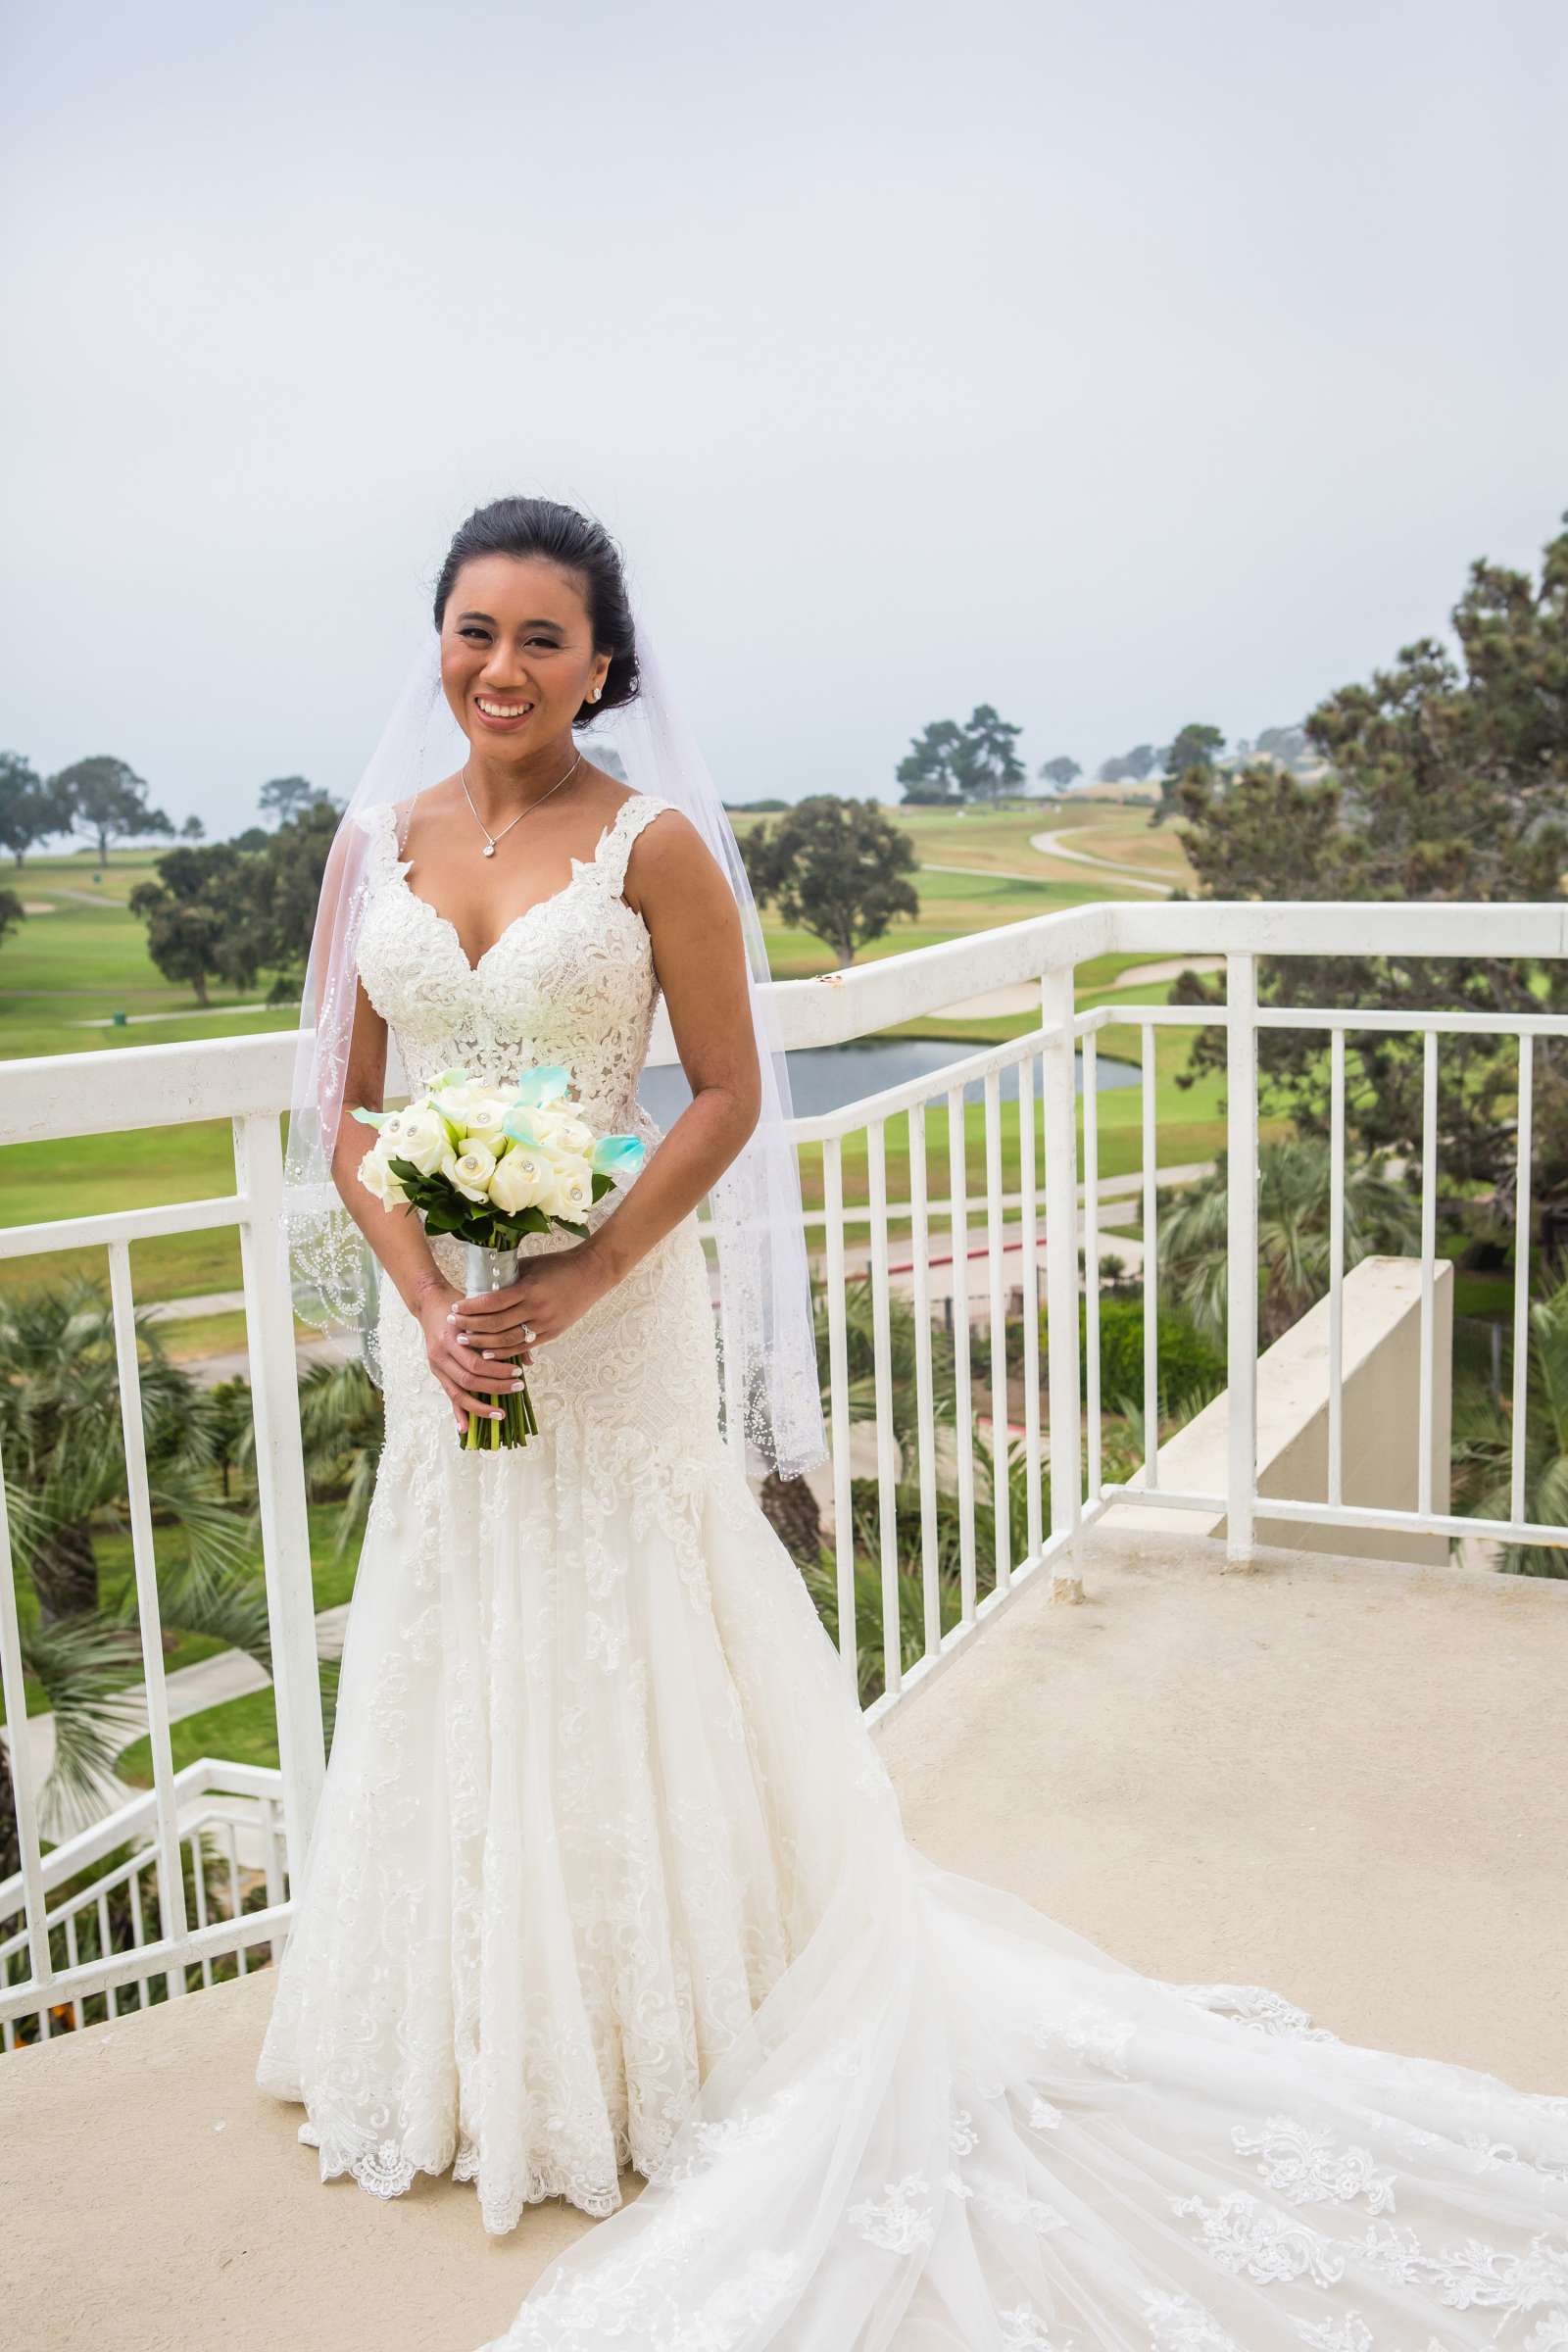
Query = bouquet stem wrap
x=493 y=1270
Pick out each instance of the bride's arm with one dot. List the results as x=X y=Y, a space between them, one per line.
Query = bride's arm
x=396 y=1234
x=680 y=890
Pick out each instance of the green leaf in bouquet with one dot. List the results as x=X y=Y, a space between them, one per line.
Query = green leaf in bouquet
x=420 y=1189
x=444 y=1217
x=520 y=1222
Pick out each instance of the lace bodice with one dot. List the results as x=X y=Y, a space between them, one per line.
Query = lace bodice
x=569 y=981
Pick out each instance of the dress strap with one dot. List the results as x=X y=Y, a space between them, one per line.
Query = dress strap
x=379 y=823
x=614 y=847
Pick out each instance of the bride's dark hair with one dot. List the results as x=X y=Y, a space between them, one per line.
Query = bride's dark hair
x=542 y=527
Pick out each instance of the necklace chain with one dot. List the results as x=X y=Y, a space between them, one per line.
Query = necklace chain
x=491 y=839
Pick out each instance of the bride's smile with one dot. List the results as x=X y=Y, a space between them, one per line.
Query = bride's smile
x=500 y=713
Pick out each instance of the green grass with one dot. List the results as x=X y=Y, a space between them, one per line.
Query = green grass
x=242 y=1731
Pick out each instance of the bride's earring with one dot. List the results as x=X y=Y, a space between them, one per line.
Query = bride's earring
x=593 y=696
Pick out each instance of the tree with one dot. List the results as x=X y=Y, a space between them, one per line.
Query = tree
x=1483 y=1433
x=286 y=888
x=1287 y=745
x=66 y=1489
x=1195 y=750
x=1197 y=746
x=1139 y=763
x=1060 y=771
x=10 y=912
x=287 y=797
x=194 y=829
x=989 y=766
x=1294 y=1195
x=836 y=868
x=65 y=1461
x=199 y=916
x=28 y=812
x=342 y=1427
x=975 y=761
x=1447 y=778
x=932 y=769
x=223 y=912
x=105 y=798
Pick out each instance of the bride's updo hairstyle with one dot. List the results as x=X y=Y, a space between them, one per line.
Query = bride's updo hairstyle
x=542 y=527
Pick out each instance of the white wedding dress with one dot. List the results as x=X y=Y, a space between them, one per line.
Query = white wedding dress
x=607 y=1872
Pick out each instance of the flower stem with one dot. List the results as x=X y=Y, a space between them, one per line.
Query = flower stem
x=516 y=1425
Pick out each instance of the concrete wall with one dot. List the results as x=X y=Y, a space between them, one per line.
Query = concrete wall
x=1382 y=1354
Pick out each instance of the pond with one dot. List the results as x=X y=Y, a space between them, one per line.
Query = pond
x=826 y=1077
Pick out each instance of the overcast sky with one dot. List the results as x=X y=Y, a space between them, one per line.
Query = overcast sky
x=1117 y=363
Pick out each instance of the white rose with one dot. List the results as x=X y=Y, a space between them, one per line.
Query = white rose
x=569 y=1192
x=470 y=1170
x=520 y=1178
x=482 y=1120
x=561 y=1146
x=417 y=1134
x=455 y=1101
x=564 y=1131
x=379 y=1179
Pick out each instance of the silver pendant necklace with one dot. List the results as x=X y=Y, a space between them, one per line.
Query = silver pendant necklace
x=490 y=839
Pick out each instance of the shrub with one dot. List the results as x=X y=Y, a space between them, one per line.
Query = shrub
x=1190 y=1363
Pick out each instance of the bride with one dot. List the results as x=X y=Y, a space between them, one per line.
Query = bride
x=606 y=1871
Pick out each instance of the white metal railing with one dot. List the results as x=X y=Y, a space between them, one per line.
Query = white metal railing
x=236 y=1807
x=935 y=1471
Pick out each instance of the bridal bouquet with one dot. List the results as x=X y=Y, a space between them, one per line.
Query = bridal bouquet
x=489 y=1164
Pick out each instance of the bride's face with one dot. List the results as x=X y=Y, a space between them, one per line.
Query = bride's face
x=517 y=659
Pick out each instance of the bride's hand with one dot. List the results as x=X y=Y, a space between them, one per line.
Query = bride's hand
x=471 y=1385
x=548 y=1297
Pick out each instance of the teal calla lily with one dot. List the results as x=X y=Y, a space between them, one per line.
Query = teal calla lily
x=371 y=1118
x=519 y=1126
x=620 y=1154
x=547 y=1085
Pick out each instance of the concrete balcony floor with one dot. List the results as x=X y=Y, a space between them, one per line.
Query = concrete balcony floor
x=1340 y=1779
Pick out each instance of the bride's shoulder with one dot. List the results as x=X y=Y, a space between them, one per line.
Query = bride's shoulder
x=665 y=861
x=634 y=818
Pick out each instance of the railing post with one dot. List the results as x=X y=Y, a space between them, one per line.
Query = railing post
x=839 y=1409
x=1059 y=1079
x=1241 y=1284
x=23 y=1779
x=280 y=1478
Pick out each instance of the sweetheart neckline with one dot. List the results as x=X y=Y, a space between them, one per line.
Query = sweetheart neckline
x=581 y=868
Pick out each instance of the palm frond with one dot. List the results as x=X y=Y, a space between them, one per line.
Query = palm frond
x=79 y=1664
